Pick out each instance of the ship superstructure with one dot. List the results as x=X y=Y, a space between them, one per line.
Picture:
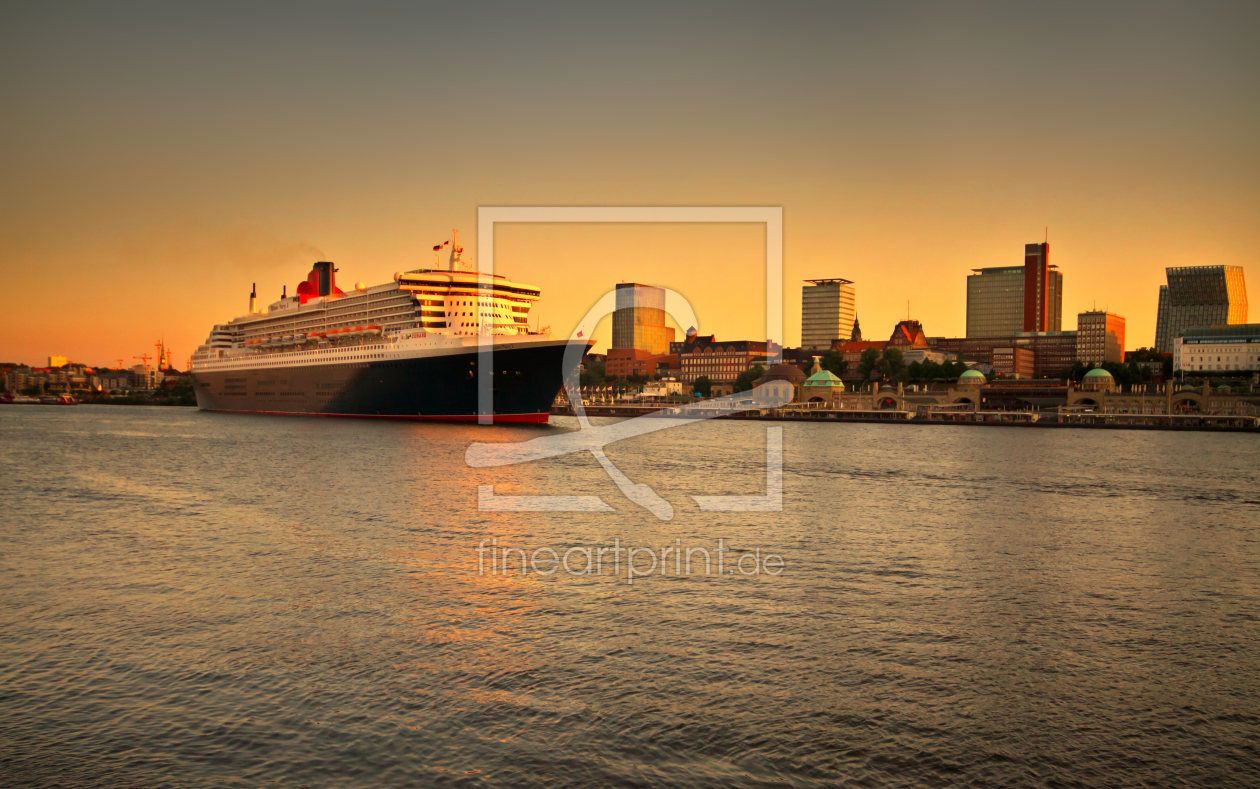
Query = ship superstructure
x=303 y=353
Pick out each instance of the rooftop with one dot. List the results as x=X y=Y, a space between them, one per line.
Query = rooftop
x=823 y=378
x=1243 y=330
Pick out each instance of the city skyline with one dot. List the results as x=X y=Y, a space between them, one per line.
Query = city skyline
x=158 y=164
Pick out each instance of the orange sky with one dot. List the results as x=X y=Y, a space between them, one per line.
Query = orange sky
x=158 y=160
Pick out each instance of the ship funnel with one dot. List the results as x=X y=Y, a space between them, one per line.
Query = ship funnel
x=327 y=278
x=253 y=298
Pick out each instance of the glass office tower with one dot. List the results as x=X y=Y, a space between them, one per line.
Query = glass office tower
x=639 y=321
x=1199 y=296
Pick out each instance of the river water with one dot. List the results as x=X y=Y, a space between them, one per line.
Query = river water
x=199 y=600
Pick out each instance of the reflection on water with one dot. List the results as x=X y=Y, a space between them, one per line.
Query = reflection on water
x=202 y=600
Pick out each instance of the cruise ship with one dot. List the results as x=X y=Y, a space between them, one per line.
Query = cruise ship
x=407 y=349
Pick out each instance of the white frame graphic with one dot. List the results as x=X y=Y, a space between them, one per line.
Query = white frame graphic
x=593 y=439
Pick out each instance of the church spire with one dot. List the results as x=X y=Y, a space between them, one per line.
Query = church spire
x=857 y=331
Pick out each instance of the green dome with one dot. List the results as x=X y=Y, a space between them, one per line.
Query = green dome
x=970 y=375
x=1098 y=373
x=823 y=378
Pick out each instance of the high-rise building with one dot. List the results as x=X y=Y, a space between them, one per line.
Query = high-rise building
x=828 y=310
x=1199 y=296
x=1005 y=300
x=1043 y=290
x=1099 y=337
x=1161 y=318
x=995 y=301
x=639 y=321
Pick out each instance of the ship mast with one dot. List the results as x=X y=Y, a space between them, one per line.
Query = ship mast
x=455 y=250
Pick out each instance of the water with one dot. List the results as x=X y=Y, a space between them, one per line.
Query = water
x=195 y=600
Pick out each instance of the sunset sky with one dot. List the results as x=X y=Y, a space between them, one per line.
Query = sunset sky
x=159 y=158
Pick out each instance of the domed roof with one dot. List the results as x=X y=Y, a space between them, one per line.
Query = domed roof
x=824 y=378
x=1097 y=373
x=971 y=375
x=783 y=372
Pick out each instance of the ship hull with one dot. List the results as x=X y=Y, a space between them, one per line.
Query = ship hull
x=441 y=388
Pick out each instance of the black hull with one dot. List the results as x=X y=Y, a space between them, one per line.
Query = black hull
x=441 y=388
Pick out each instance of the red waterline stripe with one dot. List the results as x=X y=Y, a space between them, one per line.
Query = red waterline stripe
x=501 y=418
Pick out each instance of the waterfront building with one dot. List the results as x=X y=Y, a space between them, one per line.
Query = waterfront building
x=662 y=388
x=785 y=375
x=145 y=377
x=627 y=362
x=1004 y=300
x=691 y=337
x=1099 y=337
x=1098 y=395
x=821 y=387
x=720 y=362
x=1218 y=349
x=639 y=321
x=800 y=357
x=1013 y=361
x=926 y=355
x=1053 y=352
x=972 y=378
x=995 y=301
x=18 y=378
x=1161 y=320
x=852 y=350
x=1098 y=380
x=828 y=312
x=907 y=335
x=1022 y=394
x=1199 y=296
x=1043 y=290
x=113 y=381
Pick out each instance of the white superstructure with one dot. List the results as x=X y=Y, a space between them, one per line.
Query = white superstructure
x=425 y=310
